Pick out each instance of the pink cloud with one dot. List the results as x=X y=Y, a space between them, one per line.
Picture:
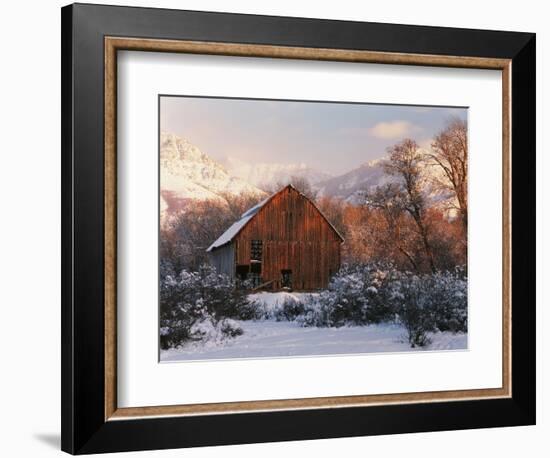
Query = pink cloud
x=393 y=129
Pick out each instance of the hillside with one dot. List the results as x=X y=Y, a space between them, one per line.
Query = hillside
x=187 y=174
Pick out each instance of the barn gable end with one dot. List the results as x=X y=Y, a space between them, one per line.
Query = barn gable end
x=283 y=242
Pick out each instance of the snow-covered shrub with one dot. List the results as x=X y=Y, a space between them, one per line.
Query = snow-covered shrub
x=413 y=306
x=318 y=310
x=291 y=308
x=374 y=293
x=356 y=295
x=220 y=296
x=429 y=303
x=193 y=305
x=207 y=329
x=230 y=328
x=281 y=306
x=449 y=293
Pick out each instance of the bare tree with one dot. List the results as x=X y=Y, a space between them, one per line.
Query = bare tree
x=333 y=208
x=450 y=153
x=391 y=202
x=238 y=204
x=186 y=237
x=407 y=162
x=360 y=235
x=301 y=183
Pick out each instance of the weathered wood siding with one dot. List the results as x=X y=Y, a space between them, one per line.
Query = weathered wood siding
x=295 y=237
x=223 y=259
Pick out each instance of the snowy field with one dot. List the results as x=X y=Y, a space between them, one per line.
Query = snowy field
x=269 y=338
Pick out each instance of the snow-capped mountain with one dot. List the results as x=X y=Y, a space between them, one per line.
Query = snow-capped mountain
x=265 y=175
x=368 y=176
x=187 y=174
x=365 y=177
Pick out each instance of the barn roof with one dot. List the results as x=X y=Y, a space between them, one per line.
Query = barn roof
x=233 y=230
x=236 y=227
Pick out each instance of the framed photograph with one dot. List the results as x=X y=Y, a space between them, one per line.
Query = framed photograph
x=281 y=228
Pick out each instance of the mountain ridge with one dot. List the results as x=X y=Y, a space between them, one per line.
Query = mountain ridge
x=188 y=174
x=265 y=175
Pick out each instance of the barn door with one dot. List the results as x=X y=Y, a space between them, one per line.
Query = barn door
x=241 y=273
x=286 y=278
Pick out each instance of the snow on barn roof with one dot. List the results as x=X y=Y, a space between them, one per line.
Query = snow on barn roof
x=236 y=227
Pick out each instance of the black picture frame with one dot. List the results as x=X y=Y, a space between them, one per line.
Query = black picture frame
x=84 y=428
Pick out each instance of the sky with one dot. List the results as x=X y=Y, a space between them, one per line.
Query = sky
x=331 y=137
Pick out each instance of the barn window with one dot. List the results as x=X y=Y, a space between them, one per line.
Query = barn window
x=256 y=250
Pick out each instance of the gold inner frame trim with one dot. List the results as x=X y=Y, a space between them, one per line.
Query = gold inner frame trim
x=114 y=44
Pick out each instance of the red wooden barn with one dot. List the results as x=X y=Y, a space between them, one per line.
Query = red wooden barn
x=283 y=242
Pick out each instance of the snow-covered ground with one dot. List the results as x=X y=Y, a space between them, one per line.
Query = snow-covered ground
x=269 y=338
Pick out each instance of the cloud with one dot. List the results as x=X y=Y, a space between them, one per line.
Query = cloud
x=393 y=129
